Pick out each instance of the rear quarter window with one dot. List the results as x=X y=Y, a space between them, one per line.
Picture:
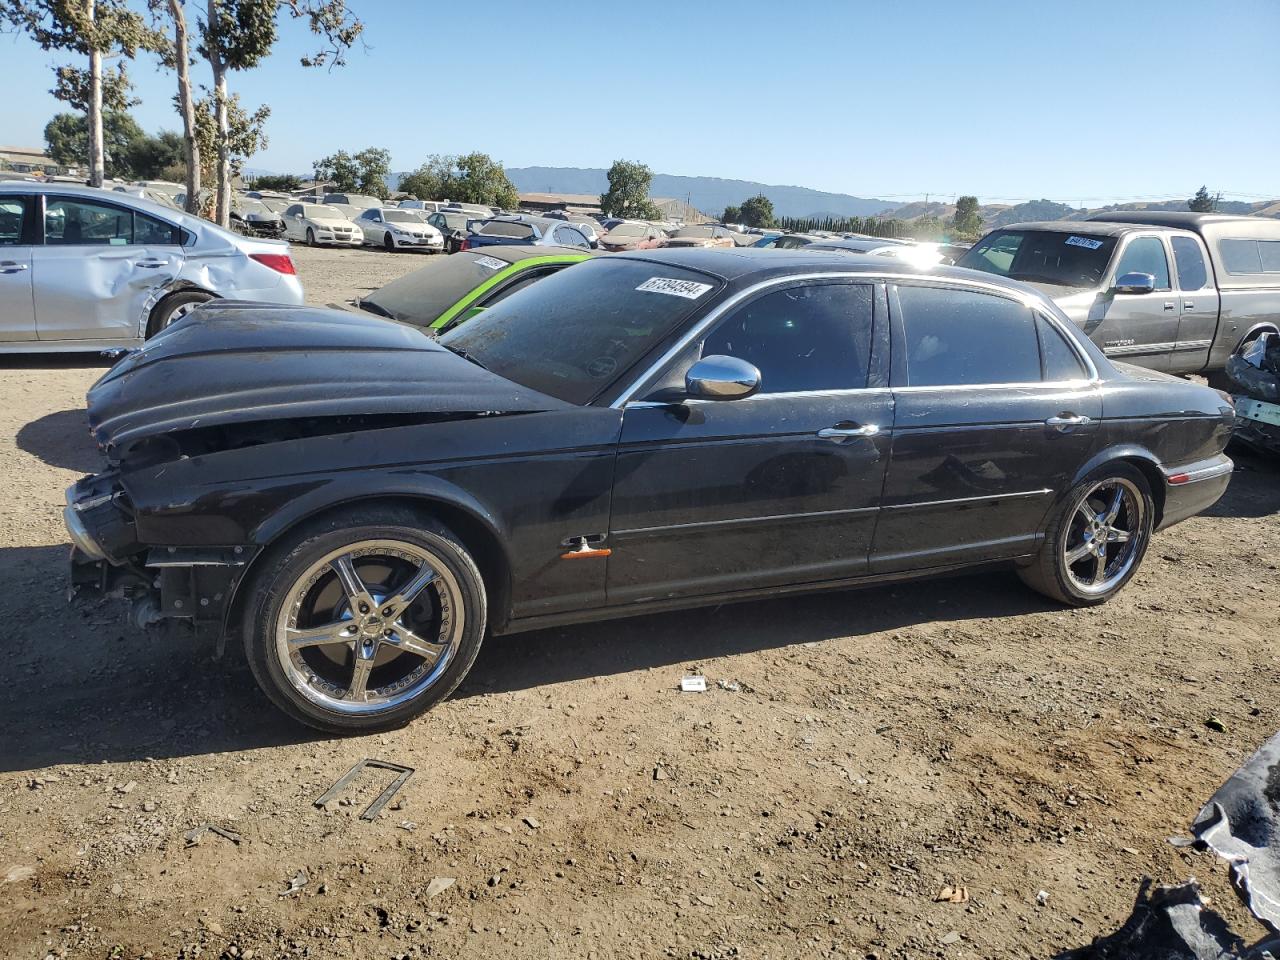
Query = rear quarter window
x=1240 y=256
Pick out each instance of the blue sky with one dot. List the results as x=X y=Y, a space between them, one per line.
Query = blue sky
x=1075 y=101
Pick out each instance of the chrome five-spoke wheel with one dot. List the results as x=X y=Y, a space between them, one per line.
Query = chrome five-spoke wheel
x=364 y=618
x=1105 y=535
x=369 y=626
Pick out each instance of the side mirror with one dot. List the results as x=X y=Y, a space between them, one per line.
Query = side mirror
x=721 y=378
x=1136 y=283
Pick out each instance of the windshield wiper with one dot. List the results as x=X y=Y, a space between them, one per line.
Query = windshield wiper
x=463 y=354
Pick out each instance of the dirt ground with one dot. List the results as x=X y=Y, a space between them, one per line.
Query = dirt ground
x=871 y=747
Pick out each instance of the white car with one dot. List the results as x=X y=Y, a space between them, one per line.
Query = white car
x=89 y=269
x=321 y=223
x=396 y=229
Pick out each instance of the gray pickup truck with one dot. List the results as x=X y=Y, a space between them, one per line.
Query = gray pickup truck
x=1176 y=292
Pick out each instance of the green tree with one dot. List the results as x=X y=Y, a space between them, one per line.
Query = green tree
x=967 y=222
x=66 y=139
x=283 y=182
x=474 y=178
x=148 y=157
x=238 y=35
x=340 y=169
x=731 y=214
x=628 y=193
x=431 y=180
x=757 y=211
x=97 y=30
x=1202 y=202
x=365 y=172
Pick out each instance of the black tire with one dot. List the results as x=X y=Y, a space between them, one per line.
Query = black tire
x=388 y=243
x=1051 y=574
x=171 y=307
x=311 y=237
x=284 y=572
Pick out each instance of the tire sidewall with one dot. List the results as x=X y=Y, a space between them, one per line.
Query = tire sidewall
x=1061 y=527
x=161 y=315
x=273 y=586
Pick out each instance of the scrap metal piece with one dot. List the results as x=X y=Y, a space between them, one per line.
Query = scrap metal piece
x=373 y=809
x=1241 y=823
x=194 y=836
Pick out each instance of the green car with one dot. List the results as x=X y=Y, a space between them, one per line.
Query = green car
x=450 y=290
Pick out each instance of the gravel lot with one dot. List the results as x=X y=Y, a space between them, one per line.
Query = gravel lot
x=871 y=747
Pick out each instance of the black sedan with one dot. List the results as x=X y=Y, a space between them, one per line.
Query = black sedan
x=361 y=504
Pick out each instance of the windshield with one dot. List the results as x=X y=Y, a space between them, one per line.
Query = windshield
x=1042 y=256
x=573 y=333
x=629 y=230
x=505 y=228
x=247 y=205
x=420 y=297
x=400 y=216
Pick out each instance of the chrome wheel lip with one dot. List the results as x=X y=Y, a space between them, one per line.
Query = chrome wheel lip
x=1087 y=529
x=417 y=682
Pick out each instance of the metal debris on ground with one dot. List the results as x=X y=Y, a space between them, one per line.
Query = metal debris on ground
x=950 y=894
x=373 y=809
x=438 y=886
x=731 y=685
x=1042 y=897
x=693 y=684
x=194 y=836
x=296 y=884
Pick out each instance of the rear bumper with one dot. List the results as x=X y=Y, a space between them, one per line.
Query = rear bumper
x=1194 y=488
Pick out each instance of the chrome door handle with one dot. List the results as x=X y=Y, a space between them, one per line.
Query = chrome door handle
x=152 y=263
x=1188 y=305
x=1069 y=420
x=11 y=266
x=1169 y=304
x=839 y=433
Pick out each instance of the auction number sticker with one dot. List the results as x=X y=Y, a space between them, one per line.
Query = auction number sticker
x=1085 y=242
x=689 y=289
x=493 y=263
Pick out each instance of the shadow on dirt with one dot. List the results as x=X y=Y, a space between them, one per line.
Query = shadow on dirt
x=85 y=685
x=1254 y=490
x=62 y=440
x=676 y=639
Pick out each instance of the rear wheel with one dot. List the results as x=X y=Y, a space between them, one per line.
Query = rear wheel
x=173 y=308
x=365 y=621
x=1096 y=539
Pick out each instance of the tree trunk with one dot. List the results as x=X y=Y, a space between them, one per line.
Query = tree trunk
x=186 y=105
x=97 y=164
x=222 y=206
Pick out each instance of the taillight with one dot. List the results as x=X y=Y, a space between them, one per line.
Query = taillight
x=279 y=262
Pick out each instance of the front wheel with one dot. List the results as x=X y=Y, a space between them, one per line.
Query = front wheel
x=311 y=237
x=1096 y=539
x=365 y=621
x=389 y=244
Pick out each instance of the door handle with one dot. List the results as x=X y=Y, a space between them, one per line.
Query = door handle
x=1188 y=305
x=1068 y=420
x=152 y=263
x=839 y=432
x=11 y=266
x=1169 y=304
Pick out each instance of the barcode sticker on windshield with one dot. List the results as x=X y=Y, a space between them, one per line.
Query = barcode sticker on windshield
x=493 y=263
x=1085 y=242
x=688 y=289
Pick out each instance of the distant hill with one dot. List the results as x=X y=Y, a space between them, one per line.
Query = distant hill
x=709 y=194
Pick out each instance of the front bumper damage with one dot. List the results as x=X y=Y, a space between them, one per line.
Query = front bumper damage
x=191 y=586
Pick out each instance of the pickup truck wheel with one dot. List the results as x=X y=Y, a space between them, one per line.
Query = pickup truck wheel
x=174 y=307
x=365 y=621
x=1096 y=538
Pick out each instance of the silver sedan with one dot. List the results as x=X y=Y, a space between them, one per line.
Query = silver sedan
x=88 y=269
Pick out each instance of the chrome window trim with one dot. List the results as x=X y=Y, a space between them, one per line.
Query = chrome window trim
x=1030 y=300
x=1023 y=385
x=700 y=524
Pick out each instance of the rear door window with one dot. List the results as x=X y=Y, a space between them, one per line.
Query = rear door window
x=1188 y=258
x=958 y=337
x=806 y=338
x=1145 y=255
x=85 y=223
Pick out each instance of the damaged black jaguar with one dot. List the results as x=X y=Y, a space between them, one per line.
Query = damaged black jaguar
x=359 y=504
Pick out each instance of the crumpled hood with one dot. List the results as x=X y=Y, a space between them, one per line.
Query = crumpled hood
x=252 y=362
